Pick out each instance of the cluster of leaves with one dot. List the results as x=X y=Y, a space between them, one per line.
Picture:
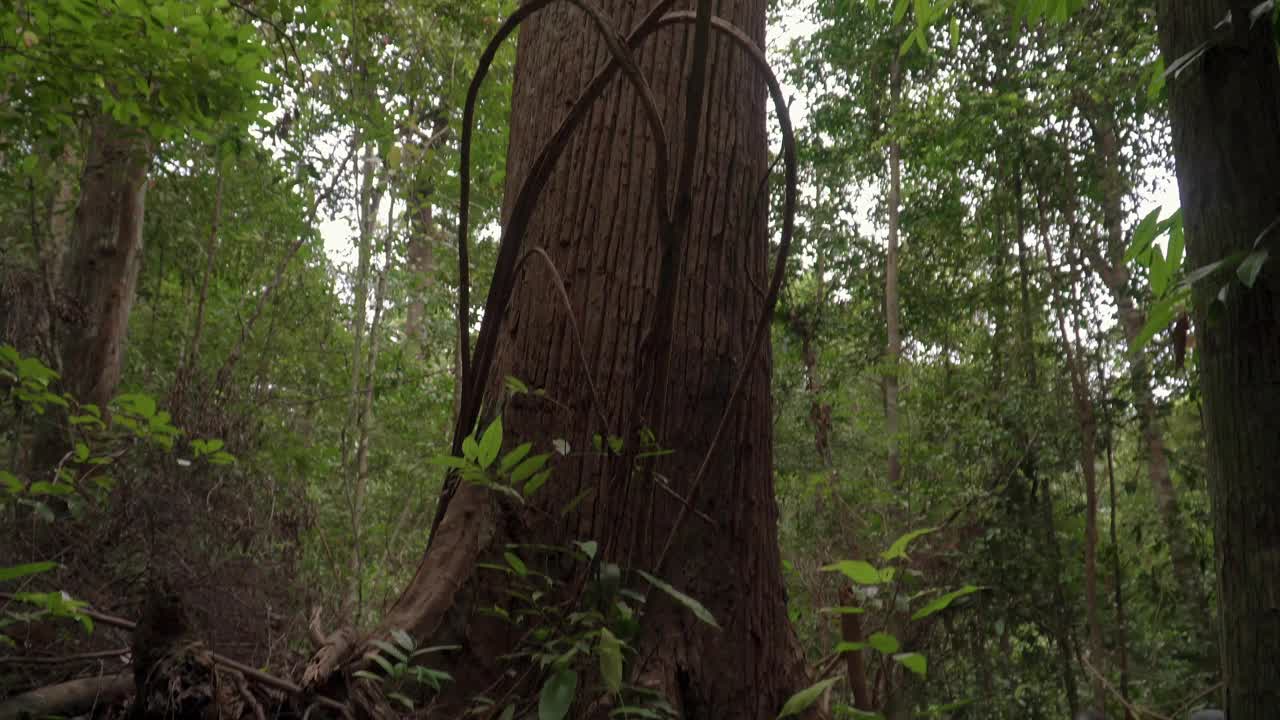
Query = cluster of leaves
x=83 y=477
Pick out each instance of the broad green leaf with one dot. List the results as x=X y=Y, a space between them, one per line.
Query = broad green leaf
x=845 y=646
x=1177 y=243
x=1143 y=234
x=884 y=642
x=859 y=571
x=1161 y=314
x=588 y=547
x=535 y=483
x=802 y=700
x=900 y=10
x=490 y=444
x=449 y=461
x=1156 y=86
x=915 y=662
x=610 y=650
x=516 y=563
x=1161 y=273
x=528 y=467
x=694 y=606
x=470 y=450
x=391 y=650
x=516 y=385
x=557 y=695
x=14 y=572
x=844 y=610
x=10 y=482
x=899 y=547
x=943 y=601
x=516 y=455
x=404 y=639
x=955 y=33
x=1251 y=266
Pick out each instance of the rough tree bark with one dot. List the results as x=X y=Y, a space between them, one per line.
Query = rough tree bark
x=596 y=222
x=102 y=261
x=1225 y=113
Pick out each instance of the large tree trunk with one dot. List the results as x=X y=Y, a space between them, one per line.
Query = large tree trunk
x=596 y=221
x=1226 y=138
x=103 y=259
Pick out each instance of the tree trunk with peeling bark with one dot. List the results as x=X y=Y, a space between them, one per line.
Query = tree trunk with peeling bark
x=1225 y=113
x=596 y=221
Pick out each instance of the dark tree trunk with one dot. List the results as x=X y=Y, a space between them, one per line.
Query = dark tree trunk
x=1225 y=113
x=103 y=258
x=596 y=221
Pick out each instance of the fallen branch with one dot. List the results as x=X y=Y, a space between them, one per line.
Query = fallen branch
x=73 y=697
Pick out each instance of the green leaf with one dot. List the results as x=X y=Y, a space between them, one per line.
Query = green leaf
x=535 y=483
x=610 y=650
x=845 y=646
x=516 y=564
x=449 y=461
x=844 y=610
x=1251 y=266
x=1156 y=86
x=516 y=385
x=942 y=601
x=899 y=547
x=900 y=10
x=859 y=571
x=490 y=444
x=802 y=700
x=1161 y=314
x=10 y=482
x=1161 y=273
x=588 y=548
x=404 y=639
x=955 y=33
x=16 y=571
x=557 y=695
x=528 y=467
x=915 y=662
x=469 y=448
x=884 y=642
x=1143 y=234
x=391 y=650
x=694 y=606
x=516 y=455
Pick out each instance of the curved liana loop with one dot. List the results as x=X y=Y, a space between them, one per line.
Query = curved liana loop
x=581 y=347
x=775 y=283
x=473 y=376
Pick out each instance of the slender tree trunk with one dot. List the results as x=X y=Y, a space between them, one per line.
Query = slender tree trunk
x=1122 y=623
x=1226 y=138
x=360 y=399
x=190 y=361
x=596 y=221
x=103 y=259
x=1030 y=467
x=1108 y=262
x=891 y=313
